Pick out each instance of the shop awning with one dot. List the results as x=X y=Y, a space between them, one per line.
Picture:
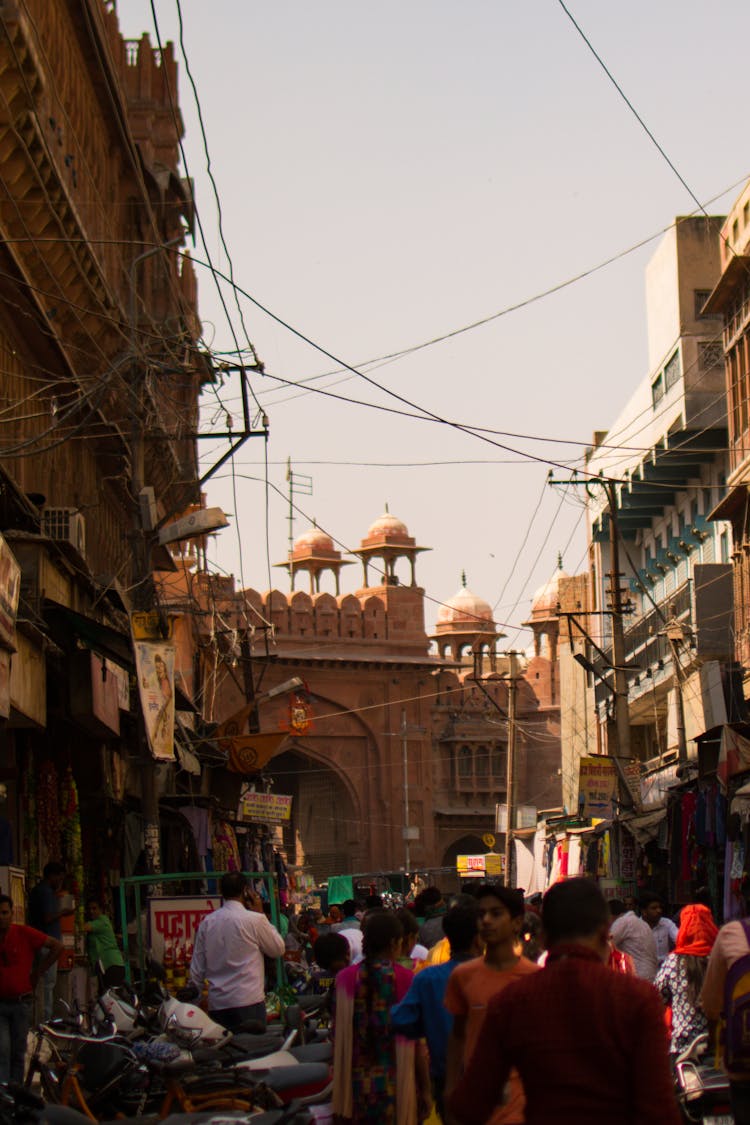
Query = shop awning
x=646 y=827
x=64 y=622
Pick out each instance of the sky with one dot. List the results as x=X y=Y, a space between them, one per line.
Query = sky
x=391 y=173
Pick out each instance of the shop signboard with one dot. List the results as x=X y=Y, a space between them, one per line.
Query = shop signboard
x=494 y=865
x=525 y=817
x=266 y=808
x=10 y=588
x=471 y=866
x=655 y=786
x=597 y=786
x=175 y=919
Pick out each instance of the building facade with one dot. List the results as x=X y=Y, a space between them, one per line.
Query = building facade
x=665 y=456
x=405 y=756
x=99 y=385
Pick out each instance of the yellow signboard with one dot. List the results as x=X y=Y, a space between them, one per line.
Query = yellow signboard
x=266 y=808
x=597 y=786
x=493 y=864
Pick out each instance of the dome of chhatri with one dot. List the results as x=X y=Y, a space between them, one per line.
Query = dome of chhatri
x=312 y=542
x=465 y=612
x=547 y=597
x=389 y=527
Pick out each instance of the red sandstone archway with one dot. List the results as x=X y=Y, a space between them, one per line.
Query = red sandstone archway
x=325 y=832
x=465 y=845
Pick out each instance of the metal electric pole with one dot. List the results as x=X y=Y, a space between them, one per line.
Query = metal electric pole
x=622 y=716
x=143 y=592
x=408 y=832
x=510 y=774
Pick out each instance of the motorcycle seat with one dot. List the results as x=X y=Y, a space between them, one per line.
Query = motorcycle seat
x=253 y=1046
x=313 y=1052
x=304 y=1075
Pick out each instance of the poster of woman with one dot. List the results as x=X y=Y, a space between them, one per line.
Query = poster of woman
x=155 y=666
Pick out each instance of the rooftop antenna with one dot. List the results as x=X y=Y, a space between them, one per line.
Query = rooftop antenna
x=299 y=485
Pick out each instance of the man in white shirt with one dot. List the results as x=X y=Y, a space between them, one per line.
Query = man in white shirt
x=634 y=936
x=663 y=929
x=229 y=948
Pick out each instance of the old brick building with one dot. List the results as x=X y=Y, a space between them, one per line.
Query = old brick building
x=382 y=702
x=99 y=384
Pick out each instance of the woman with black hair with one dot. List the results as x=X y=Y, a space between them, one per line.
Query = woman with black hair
x=374 y=1069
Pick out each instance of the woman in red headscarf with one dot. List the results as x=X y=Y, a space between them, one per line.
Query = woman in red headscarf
x=681 y=975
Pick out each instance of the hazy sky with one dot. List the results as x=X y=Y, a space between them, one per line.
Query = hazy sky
x=389 y=173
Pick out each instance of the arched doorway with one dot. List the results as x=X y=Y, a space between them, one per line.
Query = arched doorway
x=466 y=845
x=323 y=823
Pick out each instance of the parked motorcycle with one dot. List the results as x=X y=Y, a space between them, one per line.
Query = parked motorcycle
x=702 y=1089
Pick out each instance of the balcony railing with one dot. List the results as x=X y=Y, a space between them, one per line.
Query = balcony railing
x=645 y=642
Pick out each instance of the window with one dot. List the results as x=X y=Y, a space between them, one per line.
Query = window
x=746 y=214
x=710 y=354
x=735 y=233
x=498 y=762
x=657 y=390
x=701 y=296
x=482 y=762
x=672 y=371
x=464 y=762
x=724 y=546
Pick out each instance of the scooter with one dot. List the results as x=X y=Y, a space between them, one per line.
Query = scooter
x=702 y=1089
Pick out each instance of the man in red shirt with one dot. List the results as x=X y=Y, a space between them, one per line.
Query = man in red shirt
x=589 y=1044
x=18 y=979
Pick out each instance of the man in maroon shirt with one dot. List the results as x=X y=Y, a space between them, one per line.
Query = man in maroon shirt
x=589 y=1044
x=18 y=979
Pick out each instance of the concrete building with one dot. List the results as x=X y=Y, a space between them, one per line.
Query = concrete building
x=729 y=306
x=666 y=454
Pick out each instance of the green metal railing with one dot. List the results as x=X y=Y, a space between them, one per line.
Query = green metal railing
x=138 y=882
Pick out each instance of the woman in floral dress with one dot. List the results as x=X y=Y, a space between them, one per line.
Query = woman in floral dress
x=681 y=975
x=374 y=1078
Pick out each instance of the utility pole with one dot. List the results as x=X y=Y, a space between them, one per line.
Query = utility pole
x=622 y=716
x=510 y=775
x=408 y=832
x=675 y=635
x=616 y=613
x=405 y=754
x=143 y=595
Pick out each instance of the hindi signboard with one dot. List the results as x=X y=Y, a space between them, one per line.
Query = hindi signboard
x=266 y=808
x=176 y=919
x=597 y=786
x=471 y=866
x=10 y=588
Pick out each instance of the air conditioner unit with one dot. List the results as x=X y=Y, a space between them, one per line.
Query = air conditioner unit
x=66 y=525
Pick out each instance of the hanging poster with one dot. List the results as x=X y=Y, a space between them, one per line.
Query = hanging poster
x=597 y=786
x=154 y=662
x=10 y=587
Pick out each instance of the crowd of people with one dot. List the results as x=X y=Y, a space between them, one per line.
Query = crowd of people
x=489 y=1009
x=485 y=1009
x=569 y=1009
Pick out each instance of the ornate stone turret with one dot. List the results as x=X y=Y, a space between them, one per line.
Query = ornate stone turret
x=314 y=553
x=544 y=622
x=388 y=539
x=465 y=621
